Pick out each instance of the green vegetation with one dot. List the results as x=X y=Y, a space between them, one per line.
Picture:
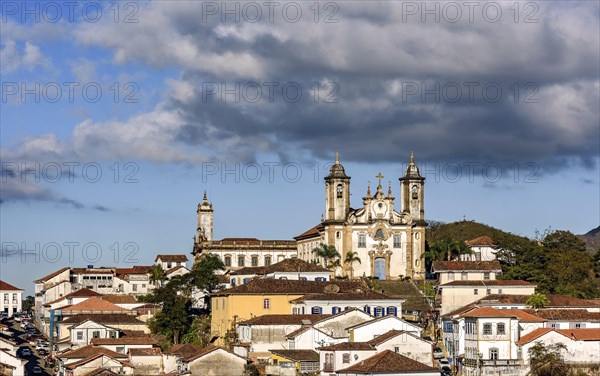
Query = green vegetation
x=28 y=303
x=548 y=360
x=176 y=321
x=328 y=253
x=537 y=300
x=444 y=249
x=557 y=261
x=351 y=258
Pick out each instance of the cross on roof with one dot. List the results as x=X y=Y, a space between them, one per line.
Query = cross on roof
x=379 y=177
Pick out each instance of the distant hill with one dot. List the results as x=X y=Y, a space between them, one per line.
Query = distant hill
x=467 y=230
x=591 y=239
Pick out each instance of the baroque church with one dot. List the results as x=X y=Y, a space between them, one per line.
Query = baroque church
x=389 y=243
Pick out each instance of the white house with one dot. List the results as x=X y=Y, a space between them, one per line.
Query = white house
x=368 y=330
x=171 y=261
x=126 y=341
x=214 y=361
x=568 y=318
x=369 y=301
x=506 y=301
x=11 y=298
x=389 y=363
x=449 y=271
x=336 y=325
x=10 y=364
x=406 y=343
x=147 y=361
x=583 y=345
x=82 y=334
x=291 y=268
x=93 y=362
x=342 y=355
x=483 y=248
x=311 y=338
x=458 y=294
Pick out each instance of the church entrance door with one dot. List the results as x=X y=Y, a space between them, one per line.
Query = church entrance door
x=380 y=268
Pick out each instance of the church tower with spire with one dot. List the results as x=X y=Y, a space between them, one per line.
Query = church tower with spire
x=205 y=220
x=337 y=190
x=412 y=186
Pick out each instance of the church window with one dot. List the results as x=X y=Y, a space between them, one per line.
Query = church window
x=362 y=241
x=254 y=260
x=267 y=260
x=396 y=240
x=241 y=260
x=501 y=329
x=340 y=190
x=415 y=192
x=227 y=260
x=379 y=234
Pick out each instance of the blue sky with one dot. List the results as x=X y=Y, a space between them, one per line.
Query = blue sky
x=501 y=111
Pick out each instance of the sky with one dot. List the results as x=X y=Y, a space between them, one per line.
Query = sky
x=117 y=116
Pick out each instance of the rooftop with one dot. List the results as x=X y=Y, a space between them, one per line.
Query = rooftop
x=89 y=350
x=354 y=346
x=297 y=355
x=588 y=334
x=8 y=287
x=387 y=362
x=555 y=300
x=152 y=351
x=290 y=287
x=497 y=282
x=51 y=275
x=439 y=266
x=566 y=314
x=171 y=258
x=481 y=241
x=386 y=336
x=493 y=312
x=310 y=233
x=284 y=319
x=290 y=265
x=115 y=318
x=95 y=304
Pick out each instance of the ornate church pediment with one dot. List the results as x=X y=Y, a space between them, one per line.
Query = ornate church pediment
x=379 y=232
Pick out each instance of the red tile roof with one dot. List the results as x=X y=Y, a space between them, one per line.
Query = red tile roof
x=387 y=362
x=89 y=350
x=588 y=334
x=128 y=340
x=389 y=335
x=482 y=240
x=183 y=349
x=310 y=233
x=497 y=282
x=290 y=265
x=289 y=287
x=95 y=304
x=284 y=319
x=50 y=276
x=119 y=298
x=555 y=300
x=566 y=314
x=493 y=312
x=171 y=258
x=7 y=286
x=81 y=293
x=297 y=355
x=365 y=294
x=205 y=351
x=152 y=351
x=105 y=319
x=355 y=346
x=439 y=266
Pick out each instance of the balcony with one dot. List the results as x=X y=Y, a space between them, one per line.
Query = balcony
x=327 y=367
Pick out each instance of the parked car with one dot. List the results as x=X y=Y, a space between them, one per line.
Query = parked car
x=44 y=346
x=17 y=318
x=37 y=370
x=4 y=315
x=25 y=352
x=445 y=371
x=444 y=362
x=438 y=353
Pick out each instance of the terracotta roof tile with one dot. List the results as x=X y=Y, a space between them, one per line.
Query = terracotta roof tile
x=101 y=372
x=183 y=349
x=171 y=258
x=114 y=318
x=312 y=232
x=290 y=287
x=95 y=304
x=8 y=286
x=50 y=276
x=387 y=362
x=298 y=355
x=283 y=319
x=497 y=282
x=173 y=270
x=386 y=336
x=493 y=312
x=119 y=298
x=466 y=265
x=81 y=293
x=152 y=351
x=127 y=340
x=554 y=300
x=482 y=240
x=532 y=336
x=89 y=350
x=205 y=351
x=355 y=346
x=587 y=334
x=290 y=265
x=566 y=314
x=365 y=294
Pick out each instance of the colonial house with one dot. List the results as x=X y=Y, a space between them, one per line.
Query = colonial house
x=483 y=248
x=51 y=287
x=343 y=355
x=506 y=301
x=368 y=330
x=449 y=271
x=291 y=268
x=95 y=362
x=267 y=296
x=147 y=361
x=126 y=340
x=86 y=352
x=371 y=302
x=83 y=328
x=388 y=363
x=568 y=318
x=11 y=298
x=171 y=261
x=214 y=361
x=299 y=362
x=457 y=294
x=582 y=345
x=406 y=343
x=10 y=364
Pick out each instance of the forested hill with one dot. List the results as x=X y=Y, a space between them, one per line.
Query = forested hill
x=467 y=230
x=591 y=239
x=559 y=262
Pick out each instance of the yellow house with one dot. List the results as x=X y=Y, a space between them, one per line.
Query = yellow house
x=264 y=296
x=305 y=361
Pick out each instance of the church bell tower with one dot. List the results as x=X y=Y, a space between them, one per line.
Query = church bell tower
x=412 y=187
x=337 y=191
x=205 y=220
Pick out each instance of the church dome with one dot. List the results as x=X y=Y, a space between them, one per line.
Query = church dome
x=337 y=170
x=412 y=171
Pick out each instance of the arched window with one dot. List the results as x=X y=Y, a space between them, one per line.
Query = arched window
x=392 y=311
x=335 y=310
x=367 y=309
x=254 y=260
x=267 y=260
x=379 y=234
x=316 y=310
x=227 y=260
x=415 y=192
x=378 y=311
x=340 y=191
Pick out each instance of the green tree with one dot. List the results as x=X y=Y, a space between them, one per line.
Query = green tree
x=350 y=259
x=537 y=300
x=28 y=303
x=199 y=333
x=157 y=275
x=326 y=252
x=547 y=360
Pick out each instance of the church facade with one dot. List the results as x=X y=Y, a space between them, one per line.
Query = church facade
x=389 y=243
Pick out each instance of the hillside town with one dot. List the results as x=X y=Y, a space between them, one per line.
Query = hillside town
x=357 y=294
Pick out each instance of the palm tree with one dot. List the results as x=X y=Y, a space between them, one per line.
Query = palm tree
x=326 y=252
x=449 y=249
x=157 y=275
x=351 y=258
